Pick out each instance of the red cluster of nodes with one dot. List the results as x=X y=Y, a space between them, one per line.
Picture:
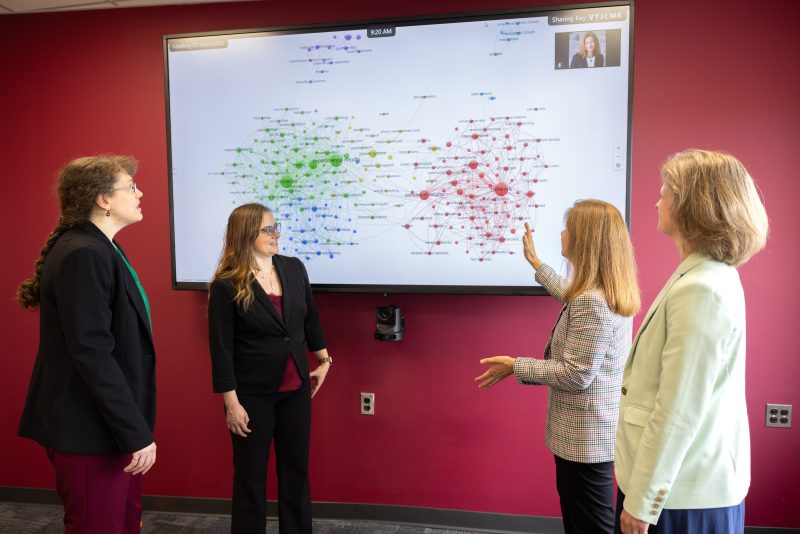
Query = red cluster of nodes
x=480 y=189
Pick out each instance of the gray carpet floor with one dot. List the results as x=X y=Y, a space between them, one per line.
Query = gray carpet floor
x=46 y=519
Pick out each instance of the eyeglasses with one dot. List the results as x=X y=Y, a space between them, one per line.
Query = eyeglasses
x=270 y=230
x=131 y=186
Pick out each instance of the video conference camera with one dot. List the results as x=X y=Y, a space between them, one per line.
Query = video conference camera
x=390 y=324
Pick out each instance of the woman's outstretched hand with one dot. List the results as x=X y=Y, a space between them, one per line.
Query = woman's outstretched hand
x=499 y=368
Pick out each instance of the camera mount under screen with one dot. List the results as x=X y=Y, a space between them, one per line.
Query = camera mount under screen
x=390 y=324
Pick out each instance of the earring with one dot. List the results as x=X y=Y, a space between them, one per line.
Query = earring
x=108 y=213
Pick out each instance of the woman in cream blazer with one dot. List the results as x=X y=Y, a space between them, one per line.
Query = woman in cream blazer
x=683 y=444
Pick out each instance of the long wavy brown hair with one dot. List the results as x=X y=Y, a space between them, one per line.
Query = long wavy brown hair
x=600 y=251
x=237 y=263
x=79 y=183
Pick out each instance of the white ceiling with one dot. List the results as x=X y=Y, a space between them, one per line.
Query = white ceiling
x=39 y=6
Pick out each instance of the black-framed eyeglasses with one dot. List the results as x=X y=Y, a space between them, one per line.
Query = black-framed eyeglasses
x=131 y=186
x=270 y=230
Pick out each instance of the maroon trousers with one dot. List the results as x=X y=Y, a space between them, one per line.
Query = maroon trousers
x=98 y=496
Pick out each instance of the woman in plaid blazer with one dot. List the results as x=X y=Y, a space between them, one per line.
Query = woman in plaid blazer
x=583 y=359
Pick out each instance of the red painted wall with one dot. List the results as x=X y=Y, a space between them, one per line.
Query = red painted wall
x=706 y=76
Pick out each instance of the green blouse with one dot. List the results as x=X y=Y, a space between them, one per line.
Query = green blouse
x=138 y=284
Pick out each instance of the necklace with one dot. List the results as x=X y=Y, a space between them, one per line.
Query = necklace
x=269 y=278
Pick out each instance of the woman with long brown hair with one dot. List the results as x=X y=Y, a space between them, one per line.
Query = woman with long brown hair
x=262 y=321
x=588 y=54
x=583 y=360
x=91 y=400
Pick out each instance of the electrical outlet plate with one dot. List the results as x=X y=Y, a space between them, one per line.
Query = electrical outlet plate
x=779 y=415
x=367 y=404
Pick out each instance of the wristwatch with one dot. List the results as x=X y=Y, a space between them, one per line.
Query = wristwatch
x=326 y=359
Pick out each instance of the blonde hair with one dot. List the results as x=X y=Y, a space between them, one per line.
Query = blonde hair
x=715 y=205
x=582 y=44
x=237 y=262
x=601 y=254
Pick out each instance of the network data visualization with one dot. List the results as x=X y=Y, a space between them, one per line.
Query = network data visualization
x=400 y=156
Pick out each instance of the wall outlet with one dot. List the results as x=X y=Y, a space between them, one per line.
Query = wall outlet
x=367 y=404
x=779 y=415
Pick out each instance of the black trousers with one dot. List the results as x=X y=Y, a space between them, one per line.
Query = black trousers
x=587 y=496
x=286 y=418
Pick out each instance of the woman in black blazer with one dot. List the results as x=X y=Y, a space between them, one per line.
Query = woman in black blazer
x=91 y=400
x=588 y=53
x=262 y=320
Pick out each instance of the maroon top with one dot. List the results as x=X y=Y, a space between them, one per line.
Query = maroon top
x=291 y=376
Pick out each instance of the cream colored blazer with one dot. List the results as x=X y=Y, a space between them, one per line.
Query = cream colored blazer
x=683 y=439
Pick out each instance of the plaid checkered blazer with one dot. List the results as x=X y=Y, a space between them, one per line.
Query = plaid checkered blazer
x=582 y=365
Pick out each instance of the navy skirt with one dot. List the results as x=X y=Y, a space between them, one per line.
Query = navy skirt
x=727 y=520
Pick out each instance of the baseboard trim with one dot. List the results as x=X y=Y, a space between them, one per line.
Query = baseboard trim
x=402 y=515
x=28 y=495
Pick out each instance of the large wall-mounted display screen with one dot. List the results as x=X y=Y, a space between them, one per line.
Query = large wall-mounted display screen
x=404 y=155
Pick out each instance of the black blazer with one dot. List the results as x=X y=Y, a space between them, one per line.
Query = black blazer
x=249 y=348
x=93 y=384
x=580 y=62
